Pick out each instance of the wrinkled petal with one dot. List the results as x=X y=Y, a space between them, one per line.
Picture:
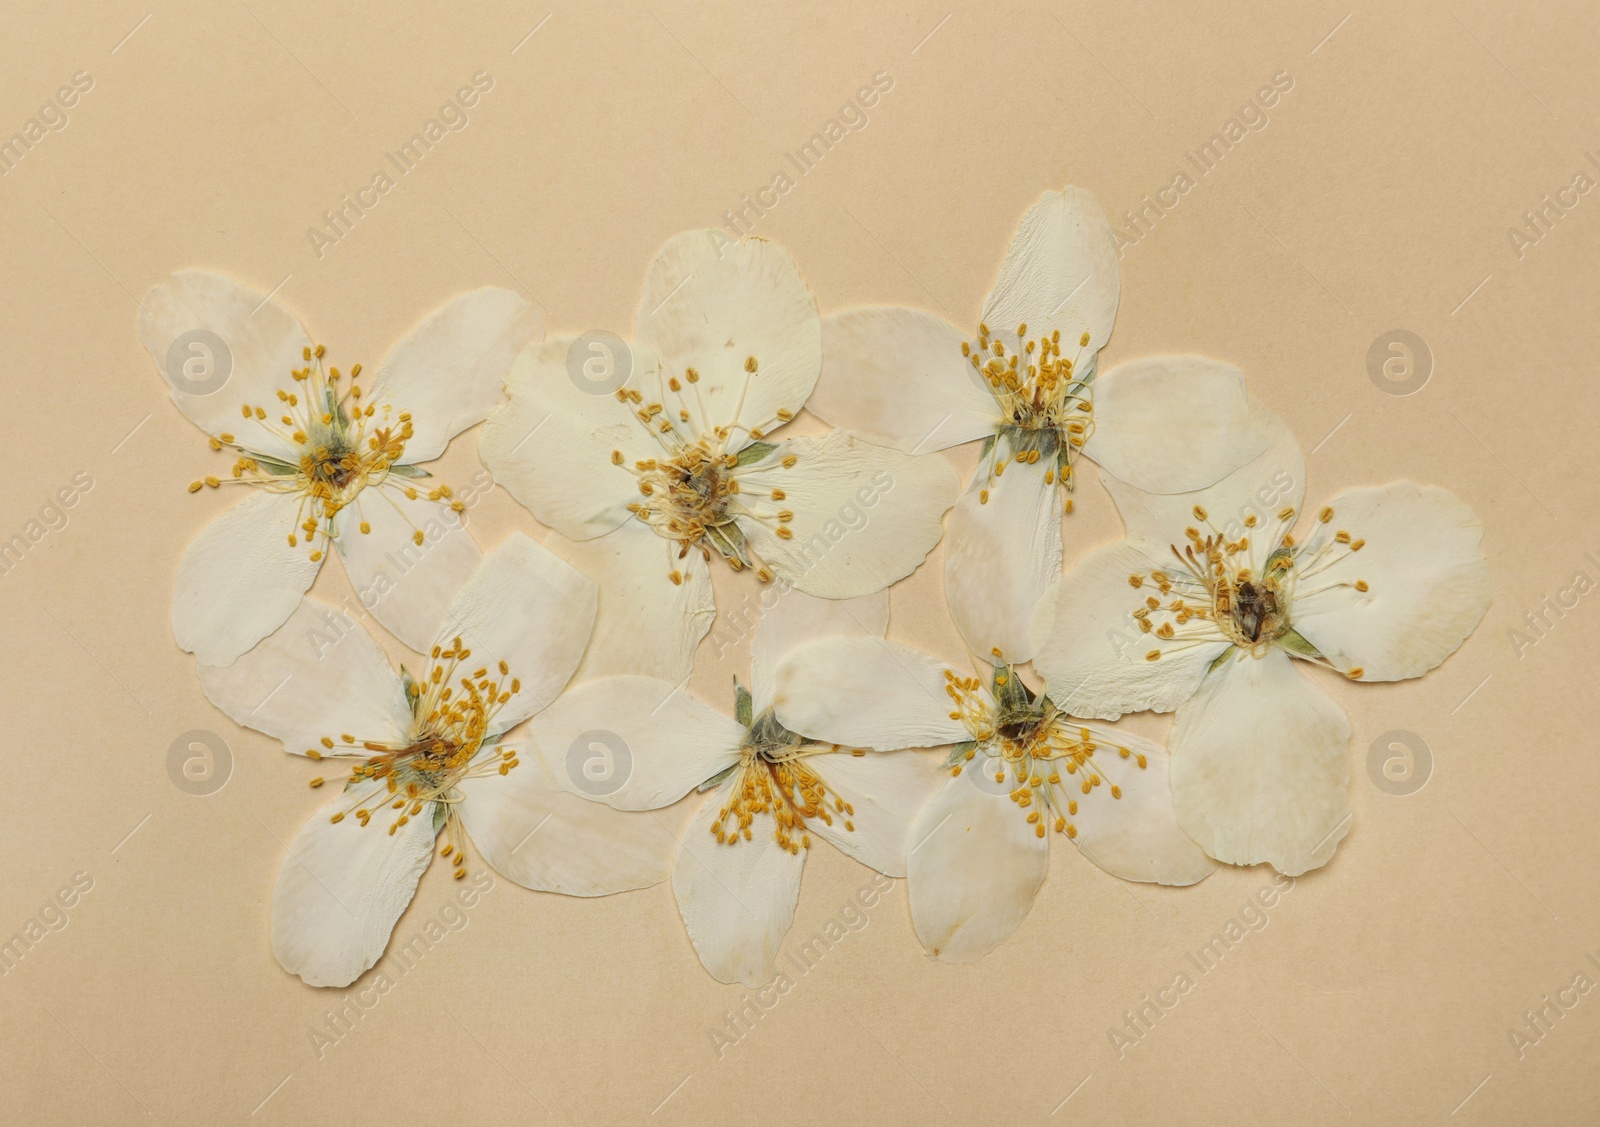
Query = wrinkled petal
x=737 y=900
x=973 y=870
x=646 y=623
x=865 y=692
x=1261 y=766
x=533 y=611
x=447 y=371
x=240 y=579
x=1171 y=424
x=863 y=516
x=1002 y=552
x=795 y=618
x=635 y=743
x=536 y=834
x=1428 y=583
x=551 y=445
x=408 y=587
x=320 y=675
x=897 y=377
x=884 y=792
x=1060 y=274
x=711 y=304
x=1271 y=483
x=340 y=890
x=1132 y=832
x=1091 y=651
x=263 y=341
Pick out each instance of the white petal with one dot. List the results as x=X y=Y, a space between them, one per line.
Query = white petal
x=737 y=900
x=448 y=370
x=1261 y=766
x=239 y=579
x=646 y=624
x=340 y=890
x=974 y=868
x=711 y=304
x=1272 y=481
x=264 y=343
x=864 y=516
x=408 y=587
x=1001 y=555
x=1427 y=578
x=1170 y=424
x=551 y=445
x=790 y=618
x=533 y=611
x=320 y=675
x=532 y=831
x=1135 y=836
x=865 y=692
x=1060 y=273
x=886 y=792
x=1091 y=652
x=897 y=378
x=635 y=743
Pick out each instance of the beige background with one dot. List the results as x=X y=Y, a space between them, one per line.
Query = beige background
x=1383 y=989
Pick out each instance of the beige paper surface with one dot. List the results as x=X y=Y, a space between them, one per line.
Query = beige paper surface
x=1377 y=193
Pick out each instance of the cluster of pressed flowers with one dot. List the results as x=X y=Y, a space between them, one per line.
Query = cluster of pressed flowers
x=548 y=721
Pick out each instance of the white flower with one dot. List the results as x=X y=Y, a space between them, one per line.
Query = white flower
x=327 y=461
x=427 y=761
x=1026 y=385
x=770 y=792
x=1212 y=593
x=1020 y=767
x=676 y=466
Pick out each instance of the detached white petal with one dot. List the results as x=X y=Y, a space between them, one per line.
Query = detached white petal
x=263 y=341
x=1060 y=273
x=1002 y=552
x=1171 y=424
x=239 y=579
x=635 y=743
x=531 y=610
x=447 y=372
x=886 y=791
x=1135 y=834
x=1091 y=651
x=974 y=869
x=1261 y=766
x=408 y=587
x=340 y=889
x=537 y=834
x=795 y=618
x=551 y=444
x=863 y=516
x=646 y=623
x=1424 y=582
x=737 y=900
x=318 y=676
x=897 y=377
x=865 y=692
x=712 y=305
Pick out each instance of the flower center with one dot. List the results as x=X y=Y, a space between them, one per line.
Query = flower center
x=1029 y=744
x=775 y=779
x=1046 y=407
x=1225 y=590
x=450 y=717
x=342 y=448
x=691 y=495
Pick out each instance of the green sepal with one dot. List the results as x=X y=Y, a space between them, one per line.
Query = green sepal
x=336 y=409
x=729 y=541
x=1010 y=694
x=1296 y=643
x=413 y=691
x=988 y=445
x=409 y=471
x=715 y=780
x=743 y=704
x=958 y=753
x=755 y=452
x=274 y=465
x=1221 y=657
x=441 y=815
